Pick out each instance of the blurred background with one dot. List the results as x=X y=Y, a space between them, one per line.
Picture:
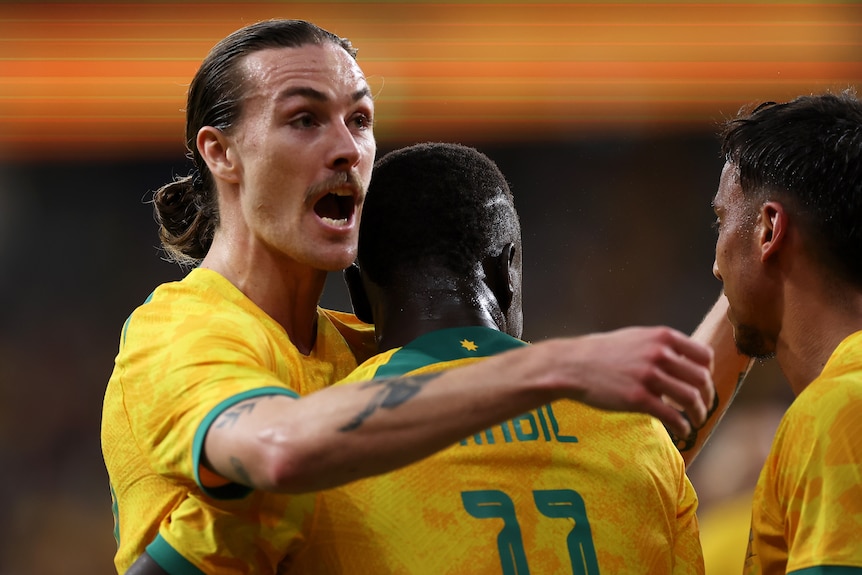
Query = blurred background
x=603 y=115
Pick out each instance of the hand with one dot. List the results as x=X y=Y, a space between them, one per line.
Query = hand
x=640 y=369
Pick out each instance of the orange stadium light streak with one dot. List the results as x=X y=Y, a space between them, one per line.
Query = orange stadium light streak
x=80 y=79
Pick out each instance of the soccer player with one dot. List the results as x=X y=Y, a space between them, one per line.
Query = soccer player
x=789 y=252
x=562 y=488
x=219 y=417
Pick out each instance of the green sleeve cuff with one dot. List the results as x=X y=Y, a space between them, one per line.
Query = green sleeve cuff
x=231 y=490
x=170 y=559
x=828 y=570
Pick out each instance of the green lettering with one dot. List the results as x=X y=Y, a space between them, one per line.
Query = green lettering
x=556 y=427
x=519 y=431
x=496 y=504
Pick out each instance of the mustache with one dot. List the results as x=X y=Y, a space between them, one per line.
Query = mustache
x=335 y=182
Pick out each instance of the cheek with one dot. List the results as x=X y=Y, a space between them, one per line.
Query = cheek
x=718 y=264
x=367 y=163
x=369 y=148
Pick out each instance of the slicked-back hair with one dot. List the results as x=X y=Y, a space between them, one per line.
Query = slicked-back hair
x=807 y=154
x=434 y=203
x=187 y=208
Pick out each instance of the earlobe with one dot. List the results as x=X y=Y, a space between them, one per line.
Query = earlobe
x=214 y=148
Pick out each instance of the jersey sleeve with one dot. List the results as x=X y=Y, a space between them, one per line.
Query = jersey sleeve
x=822 y=482
x=209 y=364
x=687 y=552
x=807 y=510
x=256 y=534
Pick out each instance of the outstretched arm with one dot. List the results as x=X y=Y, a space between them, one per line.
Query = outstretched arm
x=347 y=432
x=728 y=373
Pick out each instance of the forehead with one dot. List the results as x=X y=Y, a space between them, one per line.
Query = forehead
x=326 y=67
x=729 y=189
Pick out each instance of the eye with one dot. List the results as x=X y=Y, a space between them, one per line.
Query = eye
x=361 y=121
x=303 y=121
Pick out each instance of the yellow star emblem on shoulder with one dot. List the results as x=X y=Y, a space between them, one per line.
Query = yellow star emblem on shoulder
x=469 y=345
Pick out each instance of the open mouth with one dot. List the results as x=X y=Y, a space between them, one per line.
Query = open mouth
x=336 y=207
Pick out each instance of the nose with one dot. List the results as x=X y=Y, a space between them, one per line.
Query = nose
x=346 y=150
x=715 y=271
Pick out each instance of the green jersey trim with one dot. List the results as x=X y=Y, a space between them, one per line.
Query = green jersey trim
x=828 y=570
x=446 y=345
x=170 y=559
x=115 y=511
x=231 y=490
x=128 y=321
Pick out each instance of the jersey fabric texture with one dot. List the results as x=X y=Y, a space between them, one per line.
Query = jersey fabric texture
x=561 y=489
x=195 y=348
x=807 y=509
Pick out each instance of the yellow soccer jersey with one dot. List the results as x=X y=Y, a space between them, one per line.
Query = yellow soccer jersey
x=807 y=509
x=192 y=350
x=561 y=489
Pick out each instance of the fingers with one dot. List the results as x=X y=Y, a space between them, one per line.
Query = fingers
x=686 y=376
x=656 y=370
x=682 y=394
x=695 y=351
x=672 y=419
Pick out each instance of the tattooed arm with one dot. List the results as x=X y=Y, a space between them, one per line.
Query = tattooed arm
x=728 y=373
x=348 y=432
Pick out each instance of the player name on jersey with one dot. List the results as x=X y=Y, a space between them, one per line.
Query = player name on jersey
x=537 y=425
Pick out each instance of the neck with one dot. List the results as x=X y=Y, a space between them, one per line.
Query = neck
x=284 y=289
x=816 y=318
x=403 y=320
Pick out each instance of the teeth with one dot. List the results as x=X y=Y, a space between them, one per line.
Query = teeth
x=341 y=192
x=341 y=222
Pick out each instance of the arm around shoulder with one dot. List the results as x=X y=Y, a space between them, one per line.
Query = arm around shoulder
x=347 y=432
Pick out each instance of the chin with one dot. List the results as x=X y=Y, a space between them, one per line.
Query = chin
x=335 y=262
x=332 y=265
x=752 y=342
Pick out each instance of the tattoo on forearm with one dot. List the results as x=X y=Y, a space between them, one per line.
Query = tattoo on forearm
x=230 y=417
x=240 y=471
x=392 y=393
x=689 y=441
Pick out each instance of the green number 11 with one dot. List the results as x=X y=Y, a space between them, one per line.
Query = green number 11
x=555 y=503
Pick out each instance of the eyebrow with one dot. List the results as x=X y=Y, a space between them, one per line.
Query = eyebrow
x=319 y=96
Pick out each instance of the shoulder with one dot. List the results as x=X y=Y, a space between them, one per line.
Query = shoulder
x=820 y=429
x=368 y=369
x=358 y=334
x=835 y=395
x=198 y=316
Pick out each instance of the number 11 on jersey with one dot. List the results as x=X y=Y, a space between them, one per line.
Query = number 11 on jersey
x=554 y=503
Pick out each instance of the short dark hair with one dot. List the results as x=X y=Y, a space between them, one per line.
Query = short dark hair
x=807 y=154
x=187 y=208
x=434 y=203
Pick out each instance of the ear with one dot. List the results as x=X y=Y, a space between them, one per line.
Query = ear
x=358 y=295
x=214 y=147
x=772 y=229
x=503 y=284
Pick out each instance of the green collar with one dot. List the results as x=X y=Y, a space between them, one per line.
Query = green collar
x=446 y=345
